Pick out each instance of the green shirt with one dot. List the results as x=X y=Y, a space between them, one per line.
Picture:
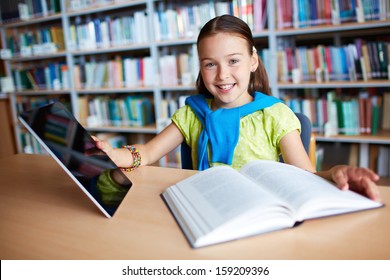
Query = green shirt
x=260 y=133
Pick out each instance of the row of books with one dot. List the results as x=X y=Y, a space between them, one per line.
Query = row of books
x=265 y=56
x=361 y=60
x=383 y=161
x=109 y=31
x=36 y=41
x=76 y=5
x=336 y=114
x=114 y=139
x=24 y=103
x=115 y=111
x=178 y=68
x=53 y=76
x=304 y=13
x=169 y=105
x=38 y=8
x=59 y=129
x=120 y=72
x=29 y=144
x=174 y=20
x=378 y=158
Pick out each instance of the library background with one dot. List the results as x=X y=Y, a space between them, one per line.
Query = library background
x=123 y=67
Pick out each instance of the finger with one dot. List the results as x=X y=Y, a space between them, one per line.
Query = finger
x=370 y=189
x=340 y=177
x=369 y=173
x=104 y=146
x=98 y=143
x=357 y=174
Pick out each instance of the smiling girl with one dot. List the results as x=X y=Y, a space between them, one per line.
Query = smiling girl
x=234 y=119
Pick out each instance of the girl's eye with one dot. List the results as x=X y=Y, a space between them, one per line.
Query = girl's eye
x=234 y=61
x=209 y=65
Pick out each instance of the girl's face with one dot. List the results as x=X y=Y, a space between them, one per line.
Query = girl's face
x=226 y=66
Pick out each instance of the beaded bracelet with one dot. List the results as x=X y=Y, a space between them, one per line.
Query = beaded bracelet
x=136 y=158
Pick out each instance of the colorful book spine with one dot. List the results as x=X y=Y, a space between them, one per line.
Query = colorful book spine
x=305 y=13
x=361 y=60
x=117 y=72
x=53 y=76
x=359 y=114
x=103 y=32
x=40 y=41
x=118 y=111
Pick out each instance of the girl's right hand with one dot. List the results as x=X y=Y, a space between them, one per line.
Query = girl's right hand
x=121 y=157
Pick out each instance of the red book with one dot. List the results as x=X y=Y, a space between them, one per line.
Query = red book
x=368 y=120
x=328 y=59
x=362 y=115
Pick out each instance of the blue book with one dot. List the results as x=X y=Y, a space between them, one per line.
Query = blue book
x=98 y=33
x=114 y=112
x=52 y=70
x=302 y=13
x=313 y=13
x=347 y=11
x=37 y=7
x=343 y=63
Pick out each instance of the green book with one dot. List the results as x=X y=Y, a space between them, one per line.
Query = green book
x=340 y=104
x=375 y=119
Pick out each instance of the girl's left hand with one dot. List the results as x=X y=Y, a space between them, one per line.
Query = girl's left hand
x=360 y=180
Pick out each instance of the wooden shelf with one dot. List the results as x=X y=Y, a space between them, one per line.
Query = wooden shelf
x=114 y=49
x=35 y=20
x=19 y=58
x=40 y=92
x=97 y=8
x=333 y=28
x=382 y=137
x=336 y=84
x=114 y=90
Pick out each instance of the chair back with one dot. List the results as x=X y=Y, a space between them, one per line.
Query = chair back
x=186 y=158
x=305 y=130
x=185 y=150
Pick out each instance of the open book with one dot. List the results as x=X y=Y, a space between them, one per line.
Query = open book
x=222 y=204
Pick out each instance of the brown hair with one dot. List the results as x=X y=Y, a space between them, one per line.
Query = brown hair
x=233 y=25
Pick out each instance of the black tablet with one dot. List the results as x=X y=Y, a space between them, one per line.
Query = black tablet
x=65 y=139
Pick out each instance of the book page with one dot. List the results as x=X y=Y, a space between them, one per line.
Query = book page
x=308 y=194
x=221 y=195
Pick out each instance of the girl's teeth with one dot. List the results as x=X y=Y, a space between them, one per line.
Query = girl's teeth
x=225 y=87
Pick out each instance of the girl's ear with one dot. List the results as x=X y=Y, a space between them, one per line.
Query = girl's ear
x=255 y=61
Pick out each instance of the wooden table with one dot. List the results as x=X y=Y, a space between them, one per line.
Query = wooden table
x=44 y=215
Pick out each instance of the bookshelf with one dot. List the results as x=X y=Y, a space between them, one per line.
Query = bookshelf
x=154 y=41
x=347 y=82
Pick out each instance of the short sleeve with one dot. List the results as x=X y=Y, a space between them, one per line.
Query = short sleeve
x=187 y=122
x=280 y=120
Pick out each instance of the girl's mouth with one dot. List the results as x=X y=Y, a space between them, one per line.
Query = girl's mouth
x=226 y=86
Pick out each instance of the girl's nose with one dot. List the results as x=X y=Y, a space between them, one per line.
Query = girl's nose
x=223 y=73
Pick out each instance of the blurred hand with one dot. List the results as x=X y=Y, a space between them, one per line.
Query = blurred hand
x=121 y=157
x=360 y=180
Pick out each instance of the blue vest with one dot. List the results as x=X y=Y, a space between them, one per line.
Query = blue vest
x=221 y=128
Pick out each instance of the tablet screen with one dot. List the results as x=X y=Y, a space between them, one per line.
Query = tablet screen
x=73 y=148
